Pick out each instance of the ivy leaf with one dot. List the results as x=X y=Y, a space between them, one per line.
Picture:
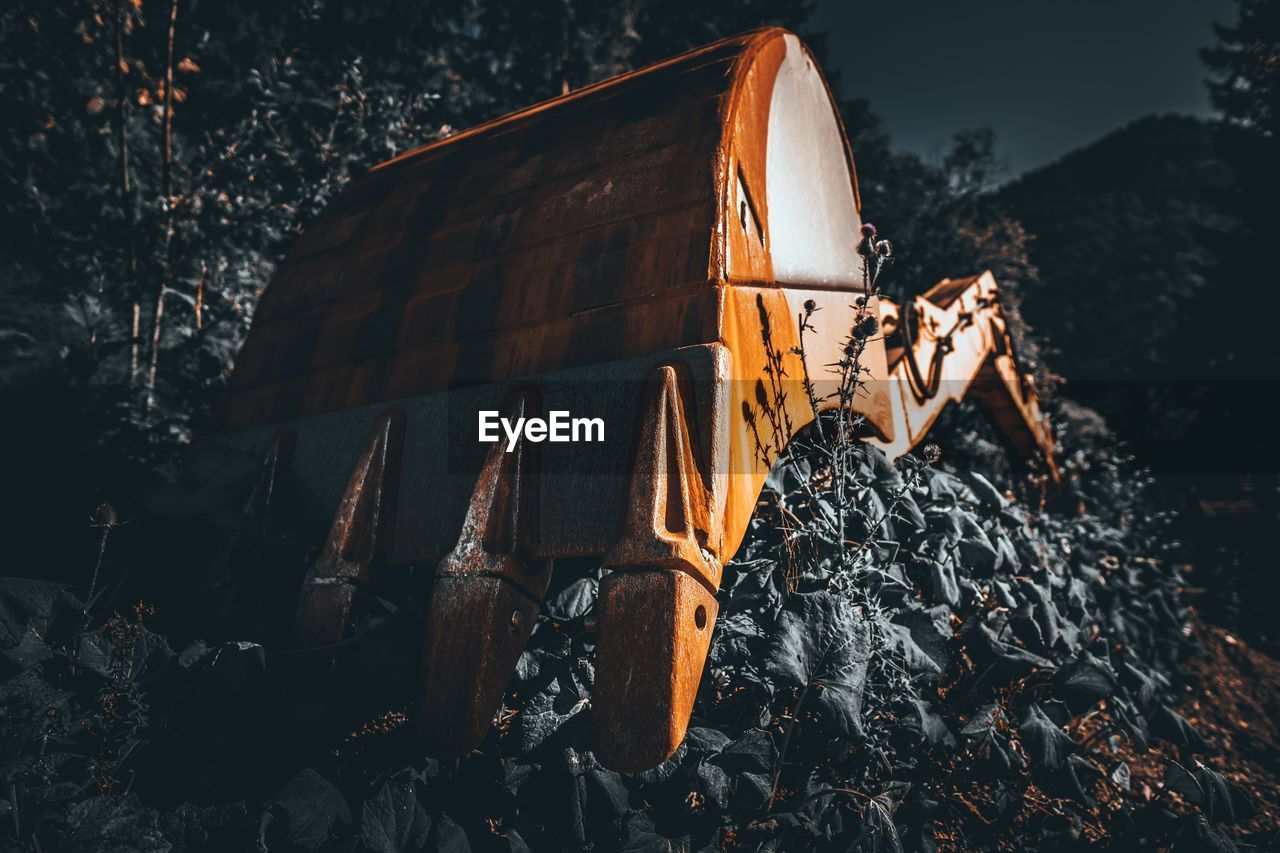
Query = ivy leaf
x=573 y=601
x=704 y=744
x=113 y=825
x=606 y=791
x=1203 y=837
x=1043 y=611
x=983 y=721
x=754 y=752
x=932 y=727
x=30 y=651
x=987 y=648
x=312 y=808
x=1121 y=776
x=449 y=837
x=906 y=510
x=914 y=657
x=879 y=834
x=22 y=601
x=990 y=498
x=976 y=552
x=193 y=829
x=1217 y=797
x=705 y=741
x=1140 y=684
x=928 y=636
x=754 y=586
x=821 y=646
x=1181 y=780
x=1131 y=722
x=1065 y=782
x=512 y=842
x=643 y=837
x=741 y=774
x=27 y=702
x=545 y=711
x=1169 y=725
x=1046 y=743
x=946 y=588
x=1084 y=682
x=393 y=821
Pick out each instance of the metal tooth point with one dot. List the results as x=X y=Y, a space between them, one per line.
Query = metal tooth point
x=517 y=619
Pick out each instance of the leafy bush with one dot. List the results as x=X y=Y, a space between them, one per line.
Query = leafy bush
x=954 y=677
x=905 y=656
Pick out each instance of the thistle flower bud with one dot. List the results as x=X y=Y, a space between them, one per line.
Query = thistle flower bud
x=104 y=516
x=865 y=325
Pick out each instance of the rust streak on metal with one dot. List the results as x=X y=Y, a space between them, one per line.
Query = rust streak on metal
x=485 y=599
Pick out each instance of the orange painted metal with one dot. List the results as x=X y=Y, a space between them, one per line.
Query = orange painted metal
x=956 y=333
x=660 y=596
x=490 y=578
x=670 y=224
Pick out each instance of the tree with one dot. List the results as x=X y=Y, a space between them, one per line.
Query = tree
x=1244 y=82
x=945 y=220
x=1245 y=67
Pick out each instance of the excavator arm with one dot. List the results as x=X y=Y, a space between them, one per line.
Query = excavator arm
x=954 y=342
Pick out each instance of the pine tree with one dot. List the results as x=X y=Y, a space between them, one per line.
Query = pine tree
x=1245 y=66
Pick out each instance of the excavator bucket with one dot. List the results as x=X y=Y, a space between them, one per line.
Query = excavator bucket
x=633 y=258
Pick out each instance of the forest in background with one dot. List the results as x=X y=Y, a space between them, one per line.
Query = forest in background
x=160 y=157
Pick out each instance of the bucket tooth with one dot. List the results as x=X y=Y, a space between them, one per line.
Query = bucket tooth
x=263 y=502
x=478 y=627
x=239 y=551
x=484 y=600
x=657 y=608
x=655 y=630
x=359 y=539
x=276 y=463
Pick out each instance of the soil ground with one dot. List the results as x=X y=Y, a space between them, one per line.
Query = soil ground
x=1230 y=693
x=1234 y=702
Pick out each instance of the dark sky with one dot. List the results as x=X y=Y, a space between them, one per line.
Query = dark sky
x=1047 y=75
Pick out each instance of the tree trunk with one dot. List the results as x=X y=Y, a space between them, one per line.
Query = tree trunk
x=126 y=189
x=157 y=325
